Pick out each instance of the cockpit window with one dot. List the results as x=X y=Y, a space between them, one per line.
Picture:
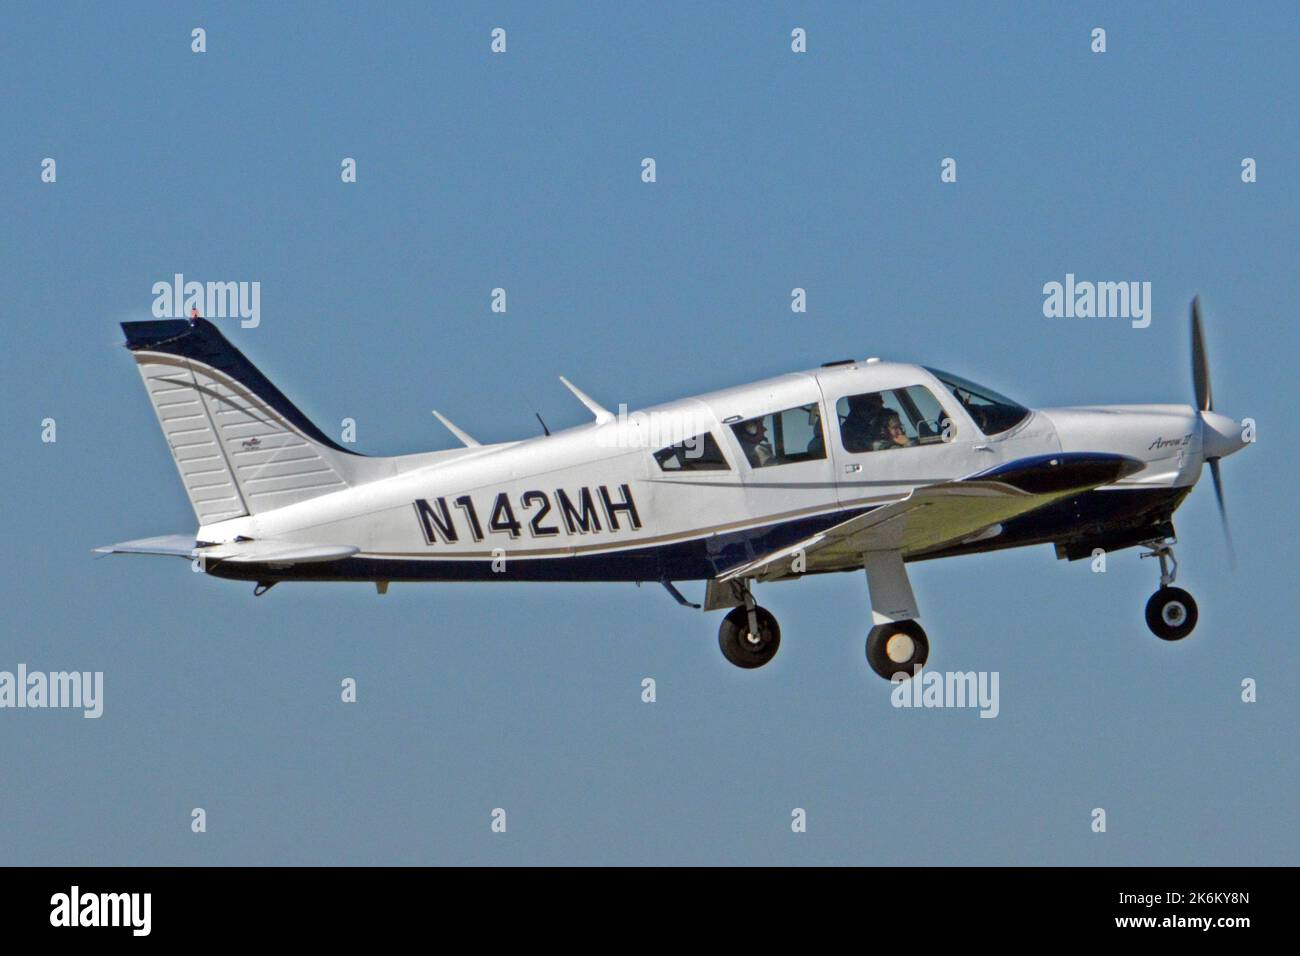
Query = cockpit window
x=993 y=413
x=897 y=418
x=700 y=453
x=782 y=438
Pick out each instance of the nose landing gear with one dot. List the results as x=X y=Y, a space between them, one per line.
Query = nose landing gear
x=1171 y=612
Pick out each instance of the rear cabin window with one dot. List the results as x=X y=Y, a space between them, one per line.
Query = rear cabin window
x=700 y=453
x=782 y=438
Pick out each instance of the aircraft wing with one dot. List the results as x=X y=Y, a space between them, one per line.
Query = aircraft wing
x=946 y=513
x=260 y=551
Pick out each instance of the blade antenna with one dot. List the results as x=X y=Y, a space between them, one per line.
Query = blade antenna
x=465 y=438
x=602 y=413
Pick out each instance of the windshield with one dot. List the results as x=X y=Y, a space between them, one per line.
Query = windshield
x=993 y=413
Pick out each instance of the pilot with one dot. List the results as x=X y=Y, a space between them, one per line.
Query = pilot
x=753 y=440
x=859 y=427
x=816 y=444
x=891 y=433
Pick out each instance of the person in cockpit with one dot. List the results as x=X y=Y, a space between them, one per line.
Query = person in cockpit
x=891 y=434
x=859 y=427
x=753 y=441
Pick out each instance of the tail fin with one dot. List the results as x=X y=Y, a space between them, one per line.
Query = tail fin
x=242 y=447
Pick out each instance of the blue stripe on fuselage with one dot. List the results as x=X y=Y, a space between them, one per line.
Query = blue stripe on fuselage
x=1080 y=517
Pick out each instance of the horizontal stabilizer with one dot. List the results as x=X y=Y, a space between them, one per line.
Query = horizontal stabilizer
x=171 y=545
x=248 y=551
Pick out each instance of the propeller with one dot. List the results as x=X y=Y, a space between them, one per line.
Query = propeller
x=1223 y=512
x=1200 y=362
x=1205 y=403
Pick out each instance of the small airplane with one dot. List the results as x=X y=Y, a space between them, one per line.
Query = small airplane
x=852 y=466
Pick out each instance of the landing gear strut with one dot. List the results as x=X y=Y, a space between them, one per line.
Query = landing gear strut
x=749 y=635
x=1171 y=612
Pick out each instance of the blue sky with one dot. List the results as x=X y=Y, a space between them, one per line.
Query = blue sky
x=522 y=171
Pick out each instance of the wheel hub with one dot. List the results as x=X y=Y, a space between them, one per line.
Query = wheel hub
x=899 y=648
x=1174 y=613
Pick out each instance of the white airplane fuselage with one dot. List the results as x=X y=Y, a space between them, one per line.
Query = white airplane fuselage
x=593 y=503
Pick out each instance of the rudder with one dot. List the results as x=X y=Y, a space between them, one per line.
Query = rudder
x=240 y=445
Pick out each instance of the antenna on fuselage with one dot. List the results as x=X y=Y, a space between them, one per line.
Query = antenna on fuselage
x=465 y=438
x=544 y=428
x=603 y=415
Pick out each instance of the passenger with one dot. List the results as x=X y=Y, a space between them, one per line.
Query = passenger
x=859 y=427
x=891 y=434
x=753 y=440
x=816 y=444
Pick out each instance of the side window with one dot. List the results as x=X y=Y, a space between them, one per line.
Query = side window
x=700 y=453
x=782 y=437
x=895 y=418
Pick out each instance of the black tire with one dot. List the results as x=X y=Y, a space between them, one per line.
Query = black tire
x=880 y=643
x=737 y=644
x=1171 y=614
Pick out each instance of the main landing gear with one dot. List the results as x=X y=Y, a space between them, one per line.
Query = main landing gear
x=749 y=635
x=896 y=645
x=1171 y=611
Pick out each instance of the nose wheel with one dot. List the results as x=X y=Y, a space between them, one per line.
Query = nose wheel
x=1171 y=611
x=1171 y=614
